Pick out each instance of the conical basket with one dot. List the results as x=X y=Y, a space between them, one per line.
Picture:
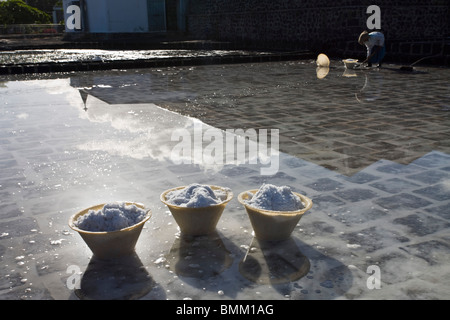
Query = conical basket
x=273 y=225
x=197 y=221
x=323 y=60
x=351 y=63
x=111 y=244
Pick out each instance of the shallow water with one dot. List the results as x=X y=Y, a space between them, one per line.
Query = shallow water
x=92 y=55
x=344 y=122
x=369 y=148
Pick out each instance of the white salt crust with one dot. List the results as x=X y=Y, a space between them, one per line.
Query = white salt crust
x=273 y=198
x=112 y=217
x=196 y=196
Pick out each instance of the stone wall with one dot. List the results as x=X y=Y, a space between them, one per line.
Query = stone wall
x=321 y=25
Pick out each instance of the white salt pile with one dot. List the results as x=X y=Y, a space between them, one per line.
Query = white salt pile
x=112 y=217
x=196 y=196
x=273 y=198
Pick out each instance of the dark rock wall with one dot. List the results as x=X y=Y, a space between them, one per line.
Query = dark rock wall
x=412 y=28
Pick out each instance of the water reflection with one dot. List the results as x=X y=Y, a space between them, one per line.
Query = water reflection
x=322 y=72
x=349 y=73
x=372 y=90
x=116 y=279
x=84 y=95
x=143 y=130
x=274 y=262
x=199 y=257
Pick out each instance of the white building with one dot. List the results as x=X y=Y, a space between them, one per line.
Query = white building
x=120 y=16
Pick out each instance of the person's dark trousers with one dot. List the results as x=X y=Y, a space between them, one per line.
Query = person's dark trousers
x=378 y=56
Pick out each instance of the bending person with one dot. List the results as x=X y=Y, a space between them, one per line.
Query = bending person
x=376 y=49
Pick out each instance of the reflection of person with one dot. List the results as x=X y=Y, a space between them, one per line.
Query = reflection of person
x=375 y=44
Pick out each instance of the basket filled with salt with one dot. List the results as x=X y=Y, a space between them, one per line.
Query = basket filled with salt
x=111 y=230
x=197 y=208
x=274 y=211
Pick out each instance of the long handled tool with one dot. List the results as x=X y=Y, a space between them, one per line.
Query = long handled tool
x=411 y=66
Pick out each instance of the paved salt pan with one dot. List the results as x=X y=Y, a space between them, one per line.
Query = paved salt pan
x=66 y=155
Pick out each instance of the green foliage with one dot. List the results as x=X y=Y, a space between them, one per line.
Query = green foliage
x=43 y=5
x=18 y=12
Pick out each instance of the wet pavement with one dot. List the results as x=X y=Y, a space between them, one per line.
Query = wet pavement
x=24 y=57
x=187 y=53
x=369 y=147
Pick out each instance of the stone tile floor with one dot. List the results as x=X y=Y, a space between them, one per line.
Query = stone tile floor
x=370 y=149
